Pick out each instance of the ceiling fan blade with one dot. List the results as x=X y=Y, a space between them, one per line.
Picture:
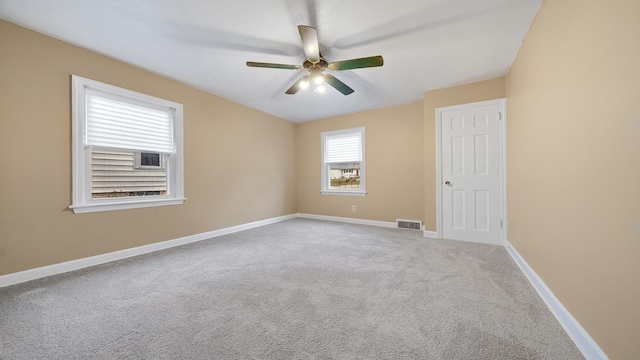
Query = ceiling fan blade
x=371 y=61
x=337 y=84
x=295 y=87
x=273 y=66
x=309 y=37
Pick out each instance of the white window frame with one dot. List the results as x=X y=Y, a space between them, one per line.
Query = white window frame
x=325 y=181
x=82 y=201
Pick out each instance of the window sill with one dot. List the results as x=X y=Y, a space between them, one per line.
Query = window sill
x=344 y=192
x=121 y=205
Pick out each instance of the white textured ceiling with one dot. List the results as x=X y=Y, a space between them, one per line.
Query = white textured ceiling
x=426 y=44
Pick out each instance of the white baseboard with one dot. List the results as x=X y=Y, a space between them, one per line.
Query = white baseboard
x=32 y=274
x=578 y=334
x=389 y=224
x=431 y=234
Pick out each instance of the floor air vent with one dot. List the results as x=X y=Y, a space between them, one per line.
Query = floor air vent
x=409 y=224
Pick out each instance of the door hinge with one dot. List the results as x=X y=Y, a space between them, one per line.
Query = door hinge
x=500 y=224
x=499 y=115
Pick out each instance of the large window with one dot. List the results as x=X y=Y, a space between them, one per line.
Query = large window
x=343 y=167
x=127 y=149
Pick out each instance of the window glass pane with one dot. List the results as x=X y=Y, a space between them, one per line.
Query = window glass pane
x=344 y=175
x=149 y=159
x=113 y=174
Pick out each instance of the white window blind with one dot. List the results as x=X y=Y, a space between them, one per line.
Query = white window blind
x=116 y=124
x=344 y=148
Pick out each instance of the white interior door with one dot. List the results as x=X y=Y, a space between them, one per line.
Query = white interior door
x=471 y=172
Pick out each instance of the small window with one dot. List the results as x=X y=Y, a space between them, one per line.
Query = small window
x=146 y=160
x=127 y=149
x=343 y=167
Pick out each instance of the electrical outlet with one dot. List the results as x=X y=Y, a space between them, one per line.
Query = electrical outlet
x=353 y=208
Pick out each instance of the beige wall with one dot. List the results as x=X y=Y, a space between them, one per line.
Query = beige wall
x=239 y=162
x=573 y=96
x=394 y=165
x=463 y=94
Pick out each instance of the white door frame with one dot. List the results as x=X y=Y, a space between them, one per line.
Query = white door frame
x=502 y=105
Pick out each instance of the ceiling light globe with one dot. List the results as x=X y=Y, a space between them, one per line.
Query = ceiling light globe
x=304 y=84
x=319 y=79
x=321 y=88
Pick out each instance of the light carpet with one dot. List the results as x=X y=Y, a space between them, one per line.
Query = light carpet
x=299 y=289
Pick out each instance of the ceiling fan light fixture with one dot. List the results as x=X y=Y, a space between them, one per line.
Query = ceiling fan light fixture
x=320 y=89
x=319 y=79
x=304 y=84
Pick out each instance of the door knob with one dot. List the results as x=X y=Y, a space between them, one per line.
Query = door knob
x=447 y=183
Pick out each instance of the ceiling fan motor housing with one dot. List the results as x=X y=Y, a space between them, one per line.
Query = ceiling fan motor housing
x=320 y=65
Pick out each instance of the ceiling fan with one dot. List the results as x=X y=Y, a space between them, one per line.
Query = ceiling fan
x=316 y=64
